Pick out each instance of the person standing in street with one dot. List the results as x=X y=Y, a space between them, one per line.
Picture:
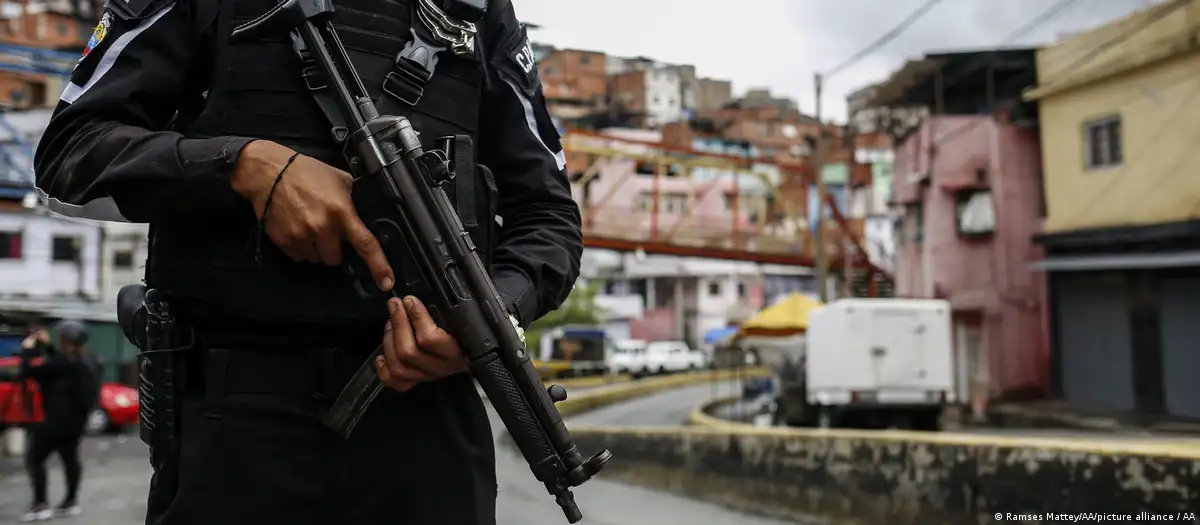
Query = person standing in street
x=220 y=146
x=69 y=388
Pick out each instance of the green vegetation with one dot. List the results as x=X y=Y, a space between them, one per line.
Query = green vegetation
x=579 y=308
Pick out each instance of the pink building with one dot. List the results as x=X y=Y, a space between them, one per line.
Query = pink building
x=971 y=192
x=620 y=203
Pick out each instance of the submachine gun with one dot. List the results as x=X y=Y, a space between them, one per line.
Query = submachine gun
x=406 y=206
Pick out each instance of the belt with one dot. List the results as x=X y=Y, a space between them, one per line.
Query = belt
x=320 y=371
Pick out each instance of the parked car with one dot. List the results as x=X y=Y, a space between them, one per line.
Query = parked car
x=627 y=357
x=117 y=405
x=664 y=357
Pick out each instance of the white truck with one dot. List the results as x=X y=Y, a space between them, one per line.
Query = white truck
x=877 y=363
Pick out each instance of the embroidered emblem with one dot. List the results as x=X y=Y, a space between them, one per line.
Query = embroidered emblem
x=99 y=33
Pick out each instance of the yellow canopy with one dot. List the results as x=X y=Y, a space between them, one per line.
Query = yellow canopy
x=787 y=317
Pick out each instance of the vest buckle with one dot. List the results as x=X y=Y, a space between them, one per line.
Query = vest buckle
x=406 y=82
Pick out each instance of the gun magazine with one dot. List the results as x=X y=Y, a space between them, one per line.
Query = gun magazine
x=355 y=397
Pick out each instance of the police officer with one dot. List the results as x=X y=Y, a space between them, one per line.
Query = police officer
x=166 y=121
x=69 y=387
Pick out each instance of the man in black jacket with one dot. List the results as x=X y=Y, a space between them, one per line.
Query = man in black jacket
x=167 y=121
x=68 y=384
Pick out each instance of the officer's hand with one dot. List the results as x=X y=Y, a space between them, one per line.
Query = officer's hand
x=415 y=350
x=311 y=212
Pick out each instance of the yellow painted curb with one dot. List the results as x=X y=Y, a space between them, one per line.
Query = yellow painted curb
x=593 y=399
x=588 y=382
x=700 y=420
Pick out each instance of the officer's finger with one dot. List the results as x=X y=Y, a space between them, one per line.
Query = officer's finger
x=430 y=338
x=368 y=248
x=426 y=366
x=385 y=377
x=427 y=332
x=398 y=339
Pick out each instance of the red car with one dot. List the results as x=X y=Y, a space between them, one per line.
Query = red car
x=118 y=404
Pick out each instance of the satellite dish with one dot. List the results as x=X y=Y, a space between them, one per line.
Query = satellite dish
x=789 y=131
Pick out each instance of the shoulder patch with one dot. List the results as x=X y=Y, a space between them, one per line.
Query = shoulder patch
x=521 y=53
x=99 y=33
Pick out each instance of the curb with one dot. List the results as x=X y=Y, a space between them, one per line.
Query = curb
x=699 y=417
x=591 y=400
x=1174 y=448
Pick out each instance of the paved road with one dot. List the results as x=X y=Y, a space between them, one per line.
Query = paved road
x=116 y=477
x=668 y=408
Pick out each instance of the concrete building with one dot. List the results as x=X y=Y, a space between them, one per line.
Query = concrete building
x=575 y=82
x=654 y=95
x=711 y=94
x=1122 y=183
x=969 y=191
x=682 y=298
x=46 y=257
x=60 y=267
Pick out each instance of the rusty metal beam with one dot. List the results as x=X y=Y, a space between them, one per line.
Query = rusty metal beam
x=666 y=248
x=841 y=221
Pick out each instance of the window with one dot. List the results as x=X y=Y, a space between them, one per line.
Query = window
x=913 y=222
x=585 y=59
x=123 y=259
x=10 y=245
x=974 y=213
x=65 y=249
x=1102 y=143
x=675 y=203
x=741 y=290
x=714 y=288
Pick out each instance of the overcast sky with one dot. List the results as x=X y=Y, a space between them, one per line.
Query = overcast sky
x=779 y=43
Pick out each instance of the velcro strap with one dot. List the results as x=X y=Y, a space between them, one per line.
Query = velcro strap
x=464 y=180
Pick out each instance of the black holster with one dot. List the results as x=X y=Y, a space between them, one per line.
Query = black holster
x=149 y=323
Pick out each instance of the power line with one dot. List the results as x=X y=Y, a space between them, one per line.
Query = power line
x=1087 y=58
x=1162 y=12
x=886 y=38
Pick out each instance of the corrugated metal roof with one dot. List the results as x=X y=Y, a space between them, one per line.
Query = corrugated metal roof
x=1118 y=261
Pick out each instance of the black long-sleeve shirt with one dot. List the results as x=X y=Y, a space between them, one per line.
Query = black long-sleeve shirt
x=107 y=153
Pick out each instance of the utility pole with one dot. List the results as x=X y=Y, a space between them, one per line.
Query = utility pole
x=819 y=228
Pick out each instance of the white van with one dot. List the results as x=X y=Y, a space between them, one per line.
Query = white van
x=627 y=356
x=672 y=356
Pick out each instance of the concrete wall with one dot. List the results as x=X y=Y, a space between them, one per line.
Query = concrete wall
x=853 y=478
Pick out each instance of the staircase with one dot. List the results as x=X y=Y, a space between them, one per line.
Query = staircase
x=859 y=285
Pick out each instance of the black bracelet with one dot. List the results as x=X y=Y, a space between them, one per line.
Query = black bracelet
x=262 y=221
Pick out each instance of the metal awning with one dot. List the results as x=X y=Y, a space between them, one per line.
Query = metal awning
x=1118 y=261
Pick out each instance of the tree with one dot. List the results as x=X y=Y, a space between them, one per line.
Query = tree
x=579 y=308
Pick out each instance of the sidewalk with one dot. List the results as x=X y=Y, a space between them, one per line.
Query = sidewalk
x=1056 y=414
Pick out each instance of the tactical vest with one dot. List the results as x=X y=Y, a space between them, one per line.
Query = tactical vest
x=257 y=90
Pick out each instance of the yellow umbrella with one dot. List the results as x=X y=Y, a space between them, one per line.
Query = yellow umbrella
x=787 y=317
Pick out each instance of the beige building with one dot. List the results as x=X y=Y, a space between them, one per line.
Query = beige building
x=1120 y=114
x=1120 y=124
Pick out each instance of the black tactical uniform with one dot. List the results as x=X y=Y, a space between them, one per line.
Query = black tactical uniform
x=149 y=129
